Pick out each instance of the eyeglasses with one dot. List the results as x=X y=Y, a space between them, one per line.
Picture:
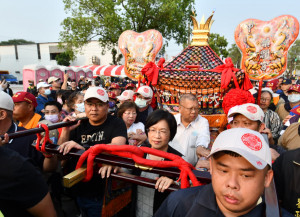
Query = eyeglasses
x=265 y=99
x=191 y=109
x=160 y=132
x=98 y=104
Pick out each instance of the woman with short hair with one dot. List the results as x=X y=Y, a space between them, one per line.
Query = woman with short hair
x=160 y=128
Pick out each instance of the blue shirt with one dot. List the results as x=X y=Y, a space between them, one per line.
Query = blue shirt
x=41 y=101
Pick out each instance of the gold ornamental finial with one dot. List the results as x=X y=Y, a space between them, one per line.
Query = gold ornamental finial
x=201 y=30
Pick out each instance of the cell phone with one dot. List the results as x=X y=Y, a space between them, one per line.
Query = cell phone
x=65 y=71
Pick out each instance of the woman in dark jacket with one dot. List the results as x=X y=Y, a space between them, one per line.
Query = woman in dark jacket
x=160 y=128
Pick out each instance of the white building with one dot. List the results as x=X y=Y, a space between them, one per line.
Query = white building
x=14 y=58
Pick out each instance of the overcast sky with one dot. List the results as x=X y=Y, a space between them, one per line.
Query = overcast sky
x=39 y=20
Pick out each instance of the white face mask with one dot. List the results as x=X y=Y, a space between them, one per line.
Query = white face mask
x=294 y=98
x=47 y=92
x=52 y=118
x=80 y=107
x=141 y=103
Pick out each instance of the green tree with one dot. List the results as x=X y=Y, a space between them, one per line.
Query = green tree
x=105 y=20
x=16 y=42
x=235 y=55
x=64 y=58
x=293 y=62
x=218 y=44
x=116 y=58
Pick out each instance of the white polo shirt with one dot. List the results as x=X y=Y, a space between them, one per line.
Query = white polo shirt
x=187 y=139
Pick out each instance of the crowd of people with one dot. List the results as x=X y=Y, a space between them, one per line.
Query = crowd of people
x=261 y=141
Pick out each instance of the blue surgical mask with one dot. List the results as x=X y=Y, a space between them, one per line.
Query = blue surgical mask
x=47 y=92
x=80 y=107
x=141 y=103
x=111 y=104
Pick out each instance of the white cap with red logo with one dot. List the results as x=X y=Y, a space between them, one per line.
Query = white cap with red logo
x=126 y=95
x=145 y=91
x=96 y=92
x=245 y=142
x=249 y=110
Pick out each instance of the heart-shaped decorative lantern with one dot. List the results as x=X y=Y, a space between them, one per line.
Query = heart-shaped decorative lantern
x=265 y=45
x=139 y=49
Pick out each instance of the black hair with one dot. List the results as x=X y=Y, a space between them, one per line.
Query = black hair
x=65 y=94
x=160 y=115
x=265 y=91
x=54 y=103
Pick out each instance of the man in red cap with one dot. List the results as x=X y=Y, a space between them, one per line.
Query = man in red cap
x=114 y=87
x=283 y=110
x=273 y=84
x=112 y=103
x=25 y=104
x=130 y=86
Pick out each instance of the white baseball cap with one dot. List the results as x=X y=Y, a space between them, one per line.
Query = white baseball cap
x=245 y=142
x=51 y=79
x=96 y=92
x=42 y=84
x=249 y=110
x=127 y=94
x=145 y=91
x=6 y=102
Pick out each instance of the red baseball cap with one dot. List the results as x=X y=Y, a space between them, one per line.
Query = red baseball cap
x=130 y=85
x=25 y=97
x=112 y=95
x=295 y=87
x=114 y=86
x=272 y=84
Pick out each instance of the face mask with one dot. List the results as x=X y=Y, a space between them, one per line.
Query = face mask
x=52 y=118
x=111 y=104
x=31 y=84
x=60 y=100
x=47 y=92
x=80 y=107
x=141 y=103
x=294 y=98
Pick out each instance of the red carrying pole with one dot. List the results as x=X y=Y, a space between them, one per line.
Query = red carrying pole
x=259 y=91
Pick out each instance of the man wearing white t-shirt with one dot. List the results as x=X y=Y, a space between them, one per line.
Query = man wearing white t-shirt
x=193 y=134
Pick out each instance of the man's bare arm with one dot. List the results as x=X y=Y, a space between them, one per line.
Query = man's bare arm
x=44 y=208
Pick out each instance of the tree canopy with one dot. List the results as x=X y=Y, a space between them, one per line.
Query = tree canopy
x=64 y=58
x=294 y=57
x=218 y=43
x=235 y=55
x=105 y=20
x=16 y=42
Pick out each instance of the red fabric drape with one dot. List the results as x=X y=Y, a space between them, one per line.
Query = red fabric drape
x=151 y=71
x=228 y=71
